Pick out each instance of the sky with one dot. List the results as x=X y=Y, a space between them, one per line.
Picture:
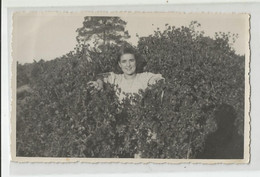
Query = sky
x=47 y=35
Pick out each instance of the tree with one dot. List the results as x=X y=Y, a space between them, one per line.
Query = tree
x=101 y=31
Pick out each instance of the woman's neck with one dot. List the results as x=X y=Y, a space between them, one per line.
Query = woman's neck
x=129 y=77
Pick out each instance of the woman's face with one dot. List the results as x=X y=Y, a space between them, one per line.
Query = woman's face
x=128 y=64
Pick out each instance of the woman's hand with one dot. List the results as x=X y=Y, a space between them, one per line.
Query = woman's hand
x=98 y=85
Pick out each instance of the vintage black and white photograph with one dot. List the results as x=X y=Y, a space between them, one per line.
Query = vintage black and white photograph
x=131 y=86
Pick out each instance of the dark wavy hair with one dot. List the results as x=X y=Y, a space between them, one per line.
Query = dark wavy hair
x=140 y=61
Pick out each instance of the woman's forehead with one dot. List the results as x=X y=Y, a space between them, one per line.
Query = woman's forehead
x=127 y=56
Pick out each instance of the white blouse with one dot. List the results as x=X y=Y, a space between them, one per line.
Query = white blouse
x=140 y=82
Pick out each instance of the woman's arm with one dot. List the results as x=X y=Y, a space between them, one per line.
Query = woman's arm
x=98 y=84
x=154 y=78
x=101 y=78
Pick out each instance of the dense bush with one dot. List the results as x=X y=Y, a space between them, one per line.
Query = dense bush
x=208 y=69
x=60 y=118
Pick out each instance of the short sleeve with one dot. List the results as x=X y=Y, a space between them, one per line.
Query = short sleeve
x=109 y=77
x=153 y=78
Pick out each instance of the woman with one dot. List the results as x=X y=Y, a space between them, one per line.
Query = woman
x=132 y=79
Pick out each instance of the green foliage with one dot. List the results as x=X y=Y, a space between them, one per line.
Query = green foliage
x=60 y=118
x=207 y=68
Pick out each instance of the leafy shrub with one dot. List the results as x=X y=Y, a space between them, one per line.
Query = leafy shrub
x=208 y=68
x=60 y=118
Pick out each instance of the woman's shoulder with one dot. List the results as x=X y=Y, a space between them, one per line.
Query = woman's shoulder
x=115 y=75
x=144 y=73
x=149 y=77
x=144 y=76
x=112 y=77
x=109 y=74
x=148 y=74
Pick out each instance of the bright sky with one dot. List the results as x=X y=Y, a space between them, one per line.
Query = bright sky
x=49 y=35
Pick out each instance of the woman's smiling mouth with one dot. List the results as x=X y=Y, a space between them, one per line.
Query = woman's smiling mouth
x=129 y=69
